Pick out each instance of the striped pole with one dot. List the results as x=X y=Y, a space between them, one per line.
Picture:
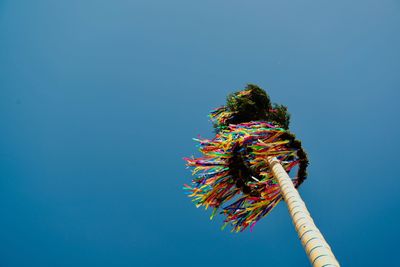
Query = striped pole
x=317 y=249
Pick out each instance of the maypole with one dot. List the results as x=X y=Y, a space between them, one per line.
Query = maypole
x=245 y=167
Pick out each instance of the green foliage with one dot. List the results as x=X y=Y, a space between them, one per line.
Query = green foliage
x=254 y=104
x=280 y=115
x=249 y=105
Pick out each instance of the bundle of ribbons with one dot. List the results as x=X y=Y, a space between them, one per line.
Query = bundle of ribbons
x=233 y=176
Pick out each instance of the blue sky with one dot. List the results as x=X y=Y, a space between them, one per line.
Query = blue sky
x=99 y=101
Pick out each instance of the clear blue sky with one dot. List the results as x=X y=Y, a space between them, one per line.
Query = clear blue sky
x=99 y=101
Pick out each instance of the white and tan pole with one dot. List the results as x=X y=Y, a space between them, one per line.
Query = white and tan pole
x=317 y=249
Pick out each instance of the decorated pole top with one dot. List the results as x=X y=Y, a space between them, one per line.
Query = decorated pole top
x=233 y=176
